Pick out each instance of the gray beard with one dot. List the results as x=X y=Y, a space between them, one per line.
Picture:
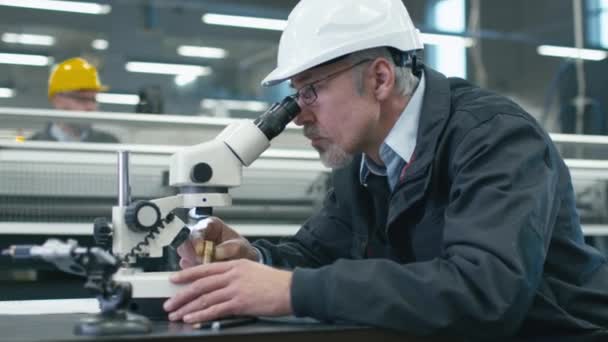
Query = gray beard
x=335 y=157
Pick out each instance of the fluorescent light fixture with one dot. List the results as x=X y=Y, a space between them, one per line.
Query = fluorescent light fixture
x=62 y=6
x=182 y=80
x=167 y=69
x=100 y=44
x=449 y=54
x=446 y=39
x=253 y=106
x=570 y=52
x=22 y=59
x=449 y=16
x=562 y=138
x=201 y=51
x=28 y=39
x=240 y=21
x=115 y=98
x=6 y=92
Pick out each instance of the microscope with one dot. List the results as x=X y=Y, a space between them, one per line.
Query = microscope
x=143 y=230
x=202 y=175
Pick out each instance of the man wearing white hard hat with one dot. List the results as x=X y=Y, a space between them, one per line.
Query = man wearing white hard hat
x=451 y=210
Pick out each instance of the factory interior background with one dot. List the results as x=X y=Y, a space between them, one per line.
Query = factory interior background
x=178 y=71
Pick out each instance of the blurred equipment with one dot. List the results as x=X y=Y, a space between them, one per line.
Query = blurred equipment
x=202 y=174
x=150 y=101
x=97 y=266
x=582 y=88
x=74 y=74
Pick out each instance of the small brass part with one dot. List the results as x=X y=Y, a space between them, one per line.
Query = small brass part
x=208 y=252
x=204 y=251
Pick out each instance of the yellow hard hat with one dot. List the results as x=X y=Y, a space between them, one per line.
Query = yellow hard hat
x=74 y=74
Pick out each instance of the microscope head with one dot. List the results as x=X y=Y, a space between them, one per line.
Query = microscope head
x=218 y=163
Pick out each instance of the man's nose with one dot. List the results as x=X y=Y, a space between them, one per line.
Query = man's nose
x=305 y=116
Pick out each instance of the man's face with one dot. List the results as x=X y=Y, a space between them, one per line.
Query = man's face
x=82 y=100
x=339 y=119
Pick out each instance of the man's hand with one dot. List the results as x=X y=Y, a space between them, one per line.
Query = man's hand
x=229 y=245
x=237 y=287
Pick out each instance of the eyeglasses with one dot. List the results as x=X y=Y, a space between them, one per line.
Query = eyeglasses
x=79 y=98
x=308 y=93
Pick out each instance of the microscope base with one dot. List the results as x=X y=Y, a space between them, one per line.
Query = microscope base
x=149 y=291
x=118 y=323
x=152 y=308
x=148 y=284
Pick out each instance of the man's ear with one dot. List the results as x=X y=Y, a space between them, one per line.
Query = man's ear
x=384 y=78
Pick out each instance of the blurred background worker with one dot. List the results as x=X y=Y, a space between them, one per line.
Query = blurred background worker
x=73 y=85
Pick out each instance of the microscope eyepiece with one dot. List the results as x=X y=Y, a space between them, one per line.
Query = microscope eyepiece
x=274 y=120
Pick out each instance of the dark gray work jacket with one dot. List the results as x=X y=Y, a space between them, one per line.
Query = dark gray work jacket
x=92 y=136
x=484 y=236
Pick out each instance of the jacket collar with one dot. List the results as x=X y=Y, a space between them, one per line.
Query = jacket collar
x=433 y=118
x=416 y=176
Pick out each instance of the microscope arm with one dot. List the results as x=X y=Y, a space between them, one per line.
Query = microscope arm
x=202 y=174
x=155 y=221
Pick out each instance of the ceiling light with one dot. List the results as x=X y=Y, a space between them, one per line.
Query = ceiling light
x=201 y=51
x=124 y=99
x=62 y=6
x=182 y=80
x=446 y=39
x=570 y=52
x=22 y=59
x=28 y=39
x=167 y=69
x=6 y=92
x=254 y=106
x=240 y=21
x=99 y=44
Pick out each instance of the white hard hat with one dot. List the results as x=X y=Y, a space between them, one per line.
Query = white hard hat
x=320 y=30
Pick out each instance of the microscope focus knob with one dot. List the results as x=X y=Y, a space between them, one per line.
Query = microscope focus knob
x=142 y=216
x=201 y=173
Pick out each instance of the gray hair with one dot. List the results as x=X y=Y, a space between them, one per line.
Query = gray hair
x=405 y=81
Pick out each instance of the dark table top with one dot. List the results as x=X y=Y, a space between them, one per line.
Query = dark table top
x=60 y=327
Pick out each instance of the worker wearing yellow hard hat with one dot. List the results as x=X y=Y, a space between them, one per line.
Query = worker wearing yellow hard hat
x=73 y=86
x=74 y=74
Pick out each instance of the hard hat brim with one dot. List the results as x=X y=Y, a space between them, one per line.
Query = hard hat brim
x=101 y=88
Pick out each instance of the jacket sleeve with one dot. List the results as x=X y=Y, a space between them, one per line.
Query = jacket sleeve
x=501 y=209
x=324 y=237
